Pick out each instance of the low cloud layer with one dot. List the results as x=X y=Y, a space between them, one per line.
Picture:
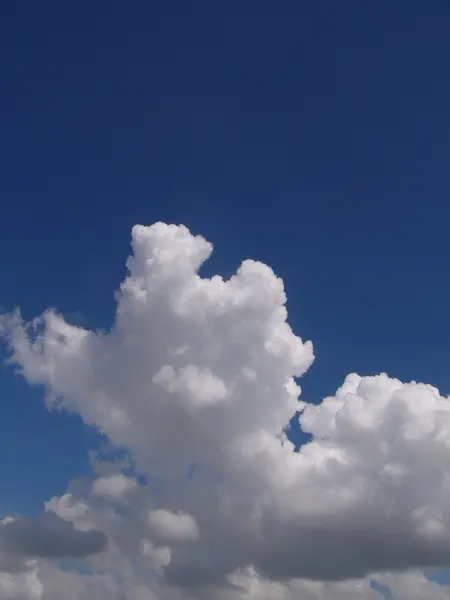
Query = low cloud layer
x=49 y=536
x=198 y=379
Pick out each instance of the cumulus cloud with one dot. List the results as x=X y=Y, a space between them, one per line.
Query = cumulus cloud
x=113 y=487
x=171 y=526
x=20 y=586
x=197 y=379
x=48 y=536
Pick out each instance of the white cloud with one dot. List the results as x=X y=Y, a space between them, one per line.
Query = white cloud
x=113 y=487
x=199 y=386
x=197 y=380
x=173 y=527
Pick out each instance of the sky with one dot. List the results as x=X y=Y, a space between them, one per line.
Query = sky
x=313 y=137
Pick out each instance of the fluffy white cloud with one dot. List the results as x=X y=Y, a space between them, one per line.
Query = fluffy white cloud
x=173 y=527
x=197 y=379
x=113 y=487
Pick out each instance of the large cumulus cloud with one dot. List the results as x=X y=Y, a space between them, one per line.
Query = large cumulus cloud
x=197 y=378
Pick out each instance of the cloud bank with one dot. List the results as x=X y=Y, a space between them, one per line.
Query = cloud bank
x=197 y=379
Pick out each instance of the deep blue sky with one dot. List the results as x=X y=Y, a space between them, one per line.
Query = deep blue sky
x=313 y=135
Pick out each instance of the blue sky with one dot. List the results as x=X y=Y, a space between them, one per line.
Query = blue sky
x=314 y=136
